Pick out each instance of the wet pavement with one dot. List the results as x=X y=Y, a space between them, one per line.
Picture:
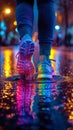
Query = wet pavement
x=36 y=106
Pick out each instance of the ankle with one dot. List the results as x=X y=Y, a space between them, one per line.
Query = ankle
x=44 y=57
x=26 y=37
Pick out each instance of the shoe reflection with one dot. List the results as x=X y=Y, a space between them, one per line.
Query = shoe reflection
x=48 y=91
x=24 y=97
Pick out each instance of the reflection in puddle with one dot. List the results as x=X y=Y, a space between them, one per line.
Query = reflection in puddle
x=24 y=99
x=9 y=63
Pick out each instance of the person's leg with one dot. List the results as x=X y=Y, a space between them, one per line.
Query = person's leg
x=46 y=23
x=24 y=17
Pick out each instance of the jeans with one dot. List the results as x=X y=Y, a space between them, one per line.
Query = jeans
x=46 y=21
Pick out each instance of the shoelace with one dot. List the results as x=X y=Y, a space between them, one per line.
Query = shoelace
x=26 y=49
x=35 y=75
x=53 y=60
x=48 y=62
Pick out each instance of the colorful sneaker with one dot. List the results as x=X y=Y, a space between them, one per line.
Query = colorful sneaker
x=25 y=66
x=45 y=69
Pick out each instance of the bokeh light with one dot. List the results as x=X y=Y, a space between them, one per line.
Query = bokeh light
x=7 y=11
x=15 y=23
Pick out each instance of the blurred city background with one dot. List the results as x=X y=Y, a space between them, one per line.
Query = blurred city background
x=63 y=29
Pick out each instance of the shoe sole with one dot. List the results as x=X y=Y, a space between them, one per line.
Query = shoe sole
x=44 y=76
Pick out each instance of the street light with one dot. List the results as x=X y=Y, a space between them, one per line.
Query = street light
x=7 y=11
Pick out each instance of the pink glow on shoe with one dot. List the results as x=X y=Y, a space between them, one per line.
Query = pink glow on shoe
x=25 y=66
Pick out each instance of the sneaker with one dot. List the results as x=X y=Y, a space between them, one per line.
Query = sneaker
x=45 y=69
x=25 y=66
